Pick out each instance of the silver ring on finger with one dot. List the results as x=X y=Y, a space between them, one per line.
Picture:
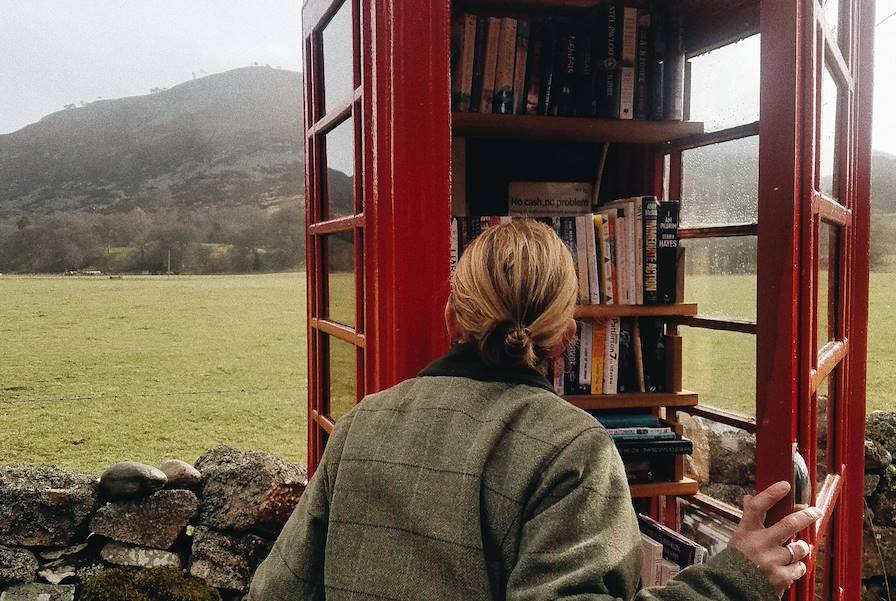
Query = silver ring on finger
x=789 y=547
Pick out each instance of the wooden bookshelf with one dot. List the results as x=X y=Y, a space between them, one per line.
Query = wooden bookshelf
x=683 y=487
x=570 y=129
x=602 y=311
x=633 y=400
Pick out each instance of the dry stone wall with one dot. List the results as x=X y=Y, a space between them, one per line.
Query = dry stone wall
x=216 y=520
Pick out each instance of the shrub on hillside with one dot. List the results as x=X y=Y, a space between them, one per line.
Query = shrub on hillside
x=154 y=584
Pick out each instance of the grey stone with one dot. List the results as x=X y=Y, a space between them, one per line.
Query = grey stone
x=51 y=554
x=733 y=457
x=69 y=570
x=181 y=474
x=39 y=592
x=871 y=482
x=733 y=494
x=141 y=557
x=880 y=426
x=696 y=464
x=17 y=565
x=42 y=506
x=227 y=561
x=248 y=491
x=878 y=551
x=129 y=479
x=154 y=521
x=883 y=504
x=876 y=456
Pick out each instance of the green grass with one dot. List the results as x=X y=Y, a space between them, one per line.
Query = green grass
x=94 y=370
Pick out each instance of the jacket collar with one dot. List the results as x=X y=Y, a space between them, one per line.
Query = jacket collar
x=463 y=361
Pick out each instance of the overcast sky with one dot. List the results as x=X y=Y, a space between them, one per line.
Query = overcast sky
x=55 y=52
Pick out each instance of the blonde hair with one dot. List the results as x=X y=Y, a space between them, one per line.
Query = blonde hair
x=514 y=291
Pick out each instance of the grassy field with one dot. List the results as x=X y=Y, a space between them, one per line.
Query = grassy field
x=94 y=370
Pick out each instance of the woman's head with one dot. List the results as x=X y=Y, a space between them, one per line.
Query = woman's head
x=513 y=293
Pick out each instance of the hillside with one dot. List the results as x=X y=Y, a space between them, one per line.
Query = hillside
x=227 y=139
x=883 y=182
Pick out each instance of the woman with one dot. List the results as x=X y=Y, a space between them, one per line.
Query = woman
x=475 y=481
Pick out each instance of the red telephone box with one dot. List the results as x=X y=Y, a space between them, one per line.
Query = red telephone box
x=379 y=135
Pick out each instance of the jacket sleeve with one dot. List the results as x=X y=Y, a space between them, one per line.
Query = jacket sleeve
x=294 y=570
x=580 y=539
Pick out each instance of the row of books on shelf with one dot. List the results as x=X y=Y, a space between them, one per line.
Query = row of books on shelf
x=648 y=446
x=616 y=61
x=624 y=253
x=666 y=552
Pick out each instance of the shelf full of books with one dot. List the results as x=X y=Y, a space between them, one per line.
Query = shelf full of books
x=608 y=61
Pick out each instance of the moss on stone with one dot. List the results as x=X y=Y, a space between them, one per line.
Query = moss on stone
x=154 y=584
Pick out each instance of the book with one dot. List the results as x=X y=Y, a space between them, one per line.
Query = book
x=548 y=198
x=479 y=52
x=614 y=255
x=639 y=430
x=591 y=250
x=653 y=353
x=650 y=208
x=534 y=68
x=626 y=419
x=502 y=102
x=606 y=260
x=582 y=258
x=557 y=375
x=611 y=356
x=628 y=371
x=606 y=59
x=650 y=565
x=629 y=39
x=667 y=252
x=656 y=48
x=678 y=446
x=585 y=357
x=455 y=243
x=563 y=99
x=548 y=53
x=523 y=31
x=673 y=69
x=642 y=66
x=489 y=69
x=586 y=102
x=678 y=549
x=644 y=437
x=568 y=234
x=463 y=41
x=598 y=344
x=668 y=571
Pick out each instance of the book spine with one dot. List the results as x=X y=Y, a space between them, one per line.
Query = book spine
x=614 y=255
x=534 y=68
x=585 y=357
x=667 y=252
x=598 y=344
x=502 y=102
x=622 y=253
x=593 y=280
x=548 y=53
x=582 y=258
x=489 y=71
x=628 y=374
x=627 y=69
x=523 y=31
x=673 y=71
x=639 y=431
x=611 y=356
x=628 y=420
x=479 y=52
x=641 y=67
x=558 y=375
x=563 y=98
x=607 y=260
x=586 y=105
x=568 y=237
x=675 y=548
x=656 y=48
x=644 y=437
x=457 y=50
x=639 y=357
x=455 y=243
x=650 y=216
x=659 y=447
x=608 y=54
x=638 y=228
x=653 y=350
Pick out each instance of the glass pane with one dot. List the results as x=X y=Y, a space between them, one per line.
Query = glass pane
x=340 y=145
x=721 y=368
x=723 y=461
x=341 y=277
x=720 y=183
x=826 y=405
x=823 y=564
x=827 y=284
x=720 y=276
x=338 y=52
x=343 y=392
x=828 y=152
x=735 y=69
x=707 y=529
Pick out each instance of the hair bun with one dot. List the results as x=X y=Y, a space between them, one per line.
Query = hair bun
x=518 y=343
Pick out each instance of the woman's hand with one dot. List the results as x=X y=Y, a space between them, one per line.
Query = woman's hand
x=763 y=546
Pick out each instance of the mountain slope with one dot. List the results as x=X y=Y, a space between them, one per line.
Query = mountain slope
x=229 y=138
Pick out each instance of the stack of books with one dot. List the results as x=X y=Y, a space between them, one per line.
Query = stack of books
x=648 y=446
x=625 y=253
x=612 y=61
x=666 y=552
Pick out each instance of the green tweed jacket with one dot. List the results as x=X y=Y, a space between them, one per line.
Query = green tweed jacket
x=470 y=482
